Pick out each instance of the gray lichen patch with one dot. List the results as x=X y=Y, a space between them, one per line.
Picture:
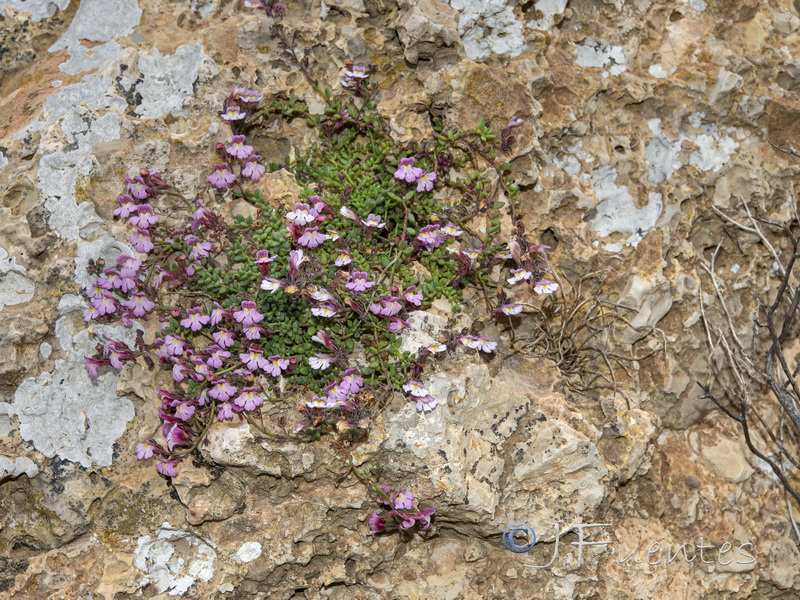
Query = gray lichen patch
x=38 y=9
x=68 y=414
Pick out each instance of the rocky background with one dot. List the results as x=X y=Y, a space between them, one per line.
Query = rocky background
x=645 y=121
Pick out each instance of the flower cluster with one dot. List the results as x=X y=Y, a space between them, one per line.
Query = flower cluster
x=236 y=154
x=403 y=512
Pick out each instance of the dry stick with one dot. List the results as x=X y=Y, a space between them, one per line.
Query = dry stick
x=745 y=428
x=755 y=230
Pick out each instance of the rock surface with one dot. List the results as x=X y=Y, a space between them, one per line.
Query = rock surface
x=643 y=121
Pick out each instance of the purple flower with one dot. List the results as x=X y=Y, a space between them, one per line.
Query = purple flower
x=139 y=304
x=317 y=402
x=216 y=356
x=376 y=523
x=174 y=345
x=311 y=238
x=406 y=520
x=356 y=72
x=425 y=181
x=141 y=241
x=253 y=331
x=222 y=390
x=144 y=217
x=296 y=258
x=302 y=214
x=430 y=237
x=166 y=466
x=126 y=208
x=144 y=449
x=197 y=247
x=358 y=281
x=225 y=411
x=93 y=366
x=276 y=365
x=397 y=325
x=320 y=362
x=218 y=314
x=253 y=359
x=223 y=337
x=351 y=382
x=406 y=171
x=238 y=148
x=412 y=296
x=194 y=319
x=177 y=436
x=335 y=391
x=264 y=261
x=386 y=306
x=424 y=517
x=105 y=305
x=90 y=313
x=222 y=176
x=249 y=399
x=514 y=122
x=374 y=221
x=403 y=500
x=249 y=96
x=184 y=411
x=137 y=187
x=233 y=113
x=252 y=169
x=249 y=314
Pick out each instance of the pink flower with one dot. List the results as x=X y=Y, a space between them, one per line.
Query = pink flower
x=126 y=206
x=249 y=399
x=302 y=214
x=425 y=181
x=174 y=346
x=218 y=314
x=93 y=366
x=141 y=241
x=253 y=331
x=197 y=247
x=177 y=436
x=412 y=296
x=216 y=356
x=311 y=238
x=225 y=411
x=249 y=314
x=139 y=304
x=238 y=148
x=514 y=122
x=105 y=305
x=376 y=523
x=222 y=176
x=184 y=411
x=276 y=365
x=166 y=466
x=317 y=402
x=144 y=449
x=222 y=390
x=253 y=359
x=351 y=382
x=137 y=187
x=452 y=230
x=195 y=319
x=415 y=388
x=144 y=217
x=358 y=281
x=223 y=337
x=397 y=325
x=403 y=500
x=249 y=96
x=386 y=306
x=406 y=171
x=423 y=517
x=90 y=313
x=252 y=169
